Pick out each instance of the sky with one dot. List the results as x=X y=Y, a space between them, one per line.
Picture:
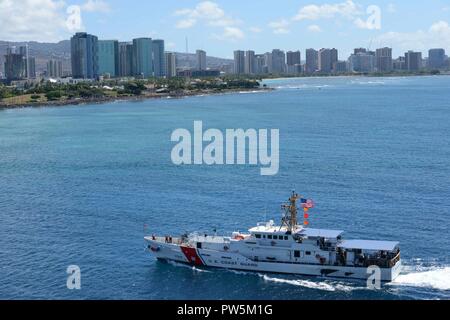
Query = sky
x=222 y=26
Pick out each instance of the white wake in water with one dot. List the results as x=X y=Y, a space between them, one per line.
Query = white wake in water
x=437 y=278
x=323 y=285
x=182 y=265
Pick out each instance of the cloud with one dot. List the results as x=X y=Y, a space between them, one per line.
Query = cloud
x=206 y=11
x=185 y=24
x=39 y=20
x=441 y=27
x=43 y=20
x=280 y=26
x=438 y=35
x=96 y=6
x=255 y=29
x=314 y=28
x=347 y=9
x=362 y=24
x=391 y=8
x=233 y=33
x=210 y=14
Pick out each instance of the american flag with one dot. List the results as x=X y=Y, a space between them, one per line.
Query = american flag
x=307 y=203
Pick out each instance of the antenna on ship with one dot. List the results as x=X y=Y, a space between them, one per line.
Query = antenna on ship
x=291 y=212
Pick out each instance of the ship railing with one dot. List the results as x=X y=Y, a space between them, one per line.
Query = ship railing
x=168 y=240
x=208 y=239
x=387 y=261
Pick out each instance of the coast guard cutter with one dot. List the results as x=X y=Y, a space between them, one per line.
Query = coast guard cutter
x=288 y=248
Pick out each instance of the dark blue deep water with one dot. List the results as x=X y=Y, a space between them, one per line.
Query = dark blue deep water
x=78 y=183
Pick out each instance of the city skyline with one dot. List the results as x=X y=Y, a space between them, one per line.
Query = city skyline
x=221 y=27
x=93 y=58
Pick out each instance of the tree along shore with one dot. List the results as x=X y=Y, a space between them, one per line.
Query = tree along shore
x=54 y=94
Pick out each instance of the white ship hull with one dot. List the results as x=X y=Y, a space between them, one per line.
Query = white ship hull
x=236 y=261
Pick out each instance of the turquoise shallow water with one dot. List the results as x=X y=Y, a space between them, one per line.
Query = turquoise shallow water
x=77 y=185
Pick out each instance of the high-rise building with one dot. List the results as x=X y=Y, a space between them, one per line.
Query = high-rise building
x=293 y=58
x=399 y=64
x=436 y=58
x=15 y=68
x=84 y=56
x=413 y=61
x=239 y=62
x=54 y=68
x=334 y=58
x=312 y=61
x=384 y=59
x=23 y=50
x=31 y=68
x=362 y=61
x=359 y=50
x=249 y=67
x=259 y=64
x=340 y=67
x=293 y=62
x=268 y=63
x=325 y=64
x=171 y=64
x=29 y=63
x=327 y=58
x=159 y=58
x=108 y=57
x=278 y=61
x=125 y=59
x=143 y=57
x=201 y=60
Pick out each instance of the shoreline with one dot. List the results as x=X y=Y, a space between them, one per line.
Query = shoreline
x=105 y=100
x=358 y=76
x=186 y=94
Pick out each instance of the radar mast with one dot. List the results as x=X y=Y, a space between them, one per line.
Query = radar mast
x=290 y=211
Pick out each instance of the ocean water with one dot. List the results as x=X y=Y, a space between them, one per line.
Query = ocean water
x=78 y=184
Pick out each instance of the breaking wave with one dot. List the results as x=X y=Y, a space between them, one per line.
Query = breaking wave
x=303 y=86
x=251 y=92
x=368 y=82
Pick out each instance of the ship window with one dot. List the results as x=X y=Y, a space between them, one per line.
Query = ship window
x=269 y=236
x=275 y=237
x=308 y=253
x=264 y=236
x=258 y=236
x=199 y=245
x=296 y=254
x=286 y=238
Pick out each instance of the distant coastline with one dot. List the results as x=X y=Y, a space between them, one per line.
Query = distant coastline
x=108 y=99
x=367 y=75
x=61 y=94
x=161 y=90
